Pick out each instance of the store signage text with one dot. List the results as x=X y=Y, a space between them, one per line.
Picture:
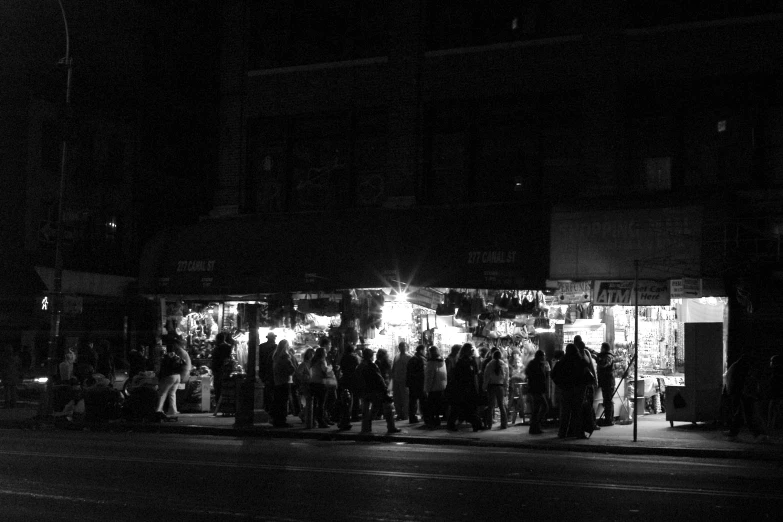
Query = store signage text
x=685 y=287
x=574 y=292
x=495 y=257
x=604 y=244
x=199 y=265
x=623 y=293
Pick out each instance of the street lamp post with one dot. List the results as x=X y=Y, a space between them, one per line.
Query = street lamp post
x=54 y=339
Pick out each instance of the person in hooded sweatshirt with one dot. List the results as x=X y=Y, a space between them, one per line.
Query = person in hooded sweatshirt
x=435 y=379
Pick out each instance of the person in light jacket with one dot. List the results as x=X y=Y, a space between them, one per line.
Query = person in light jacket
x=435 y=378
x=495 y=385
x=319 y=370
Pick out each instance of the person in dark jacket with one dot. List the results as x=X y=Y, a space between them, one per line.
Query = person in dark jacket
x=537 y=371
x=741 y=389
x=220 y=355
x=266 y=368
x=571 y=375
x=414 y=379
x=375 y=394
x=347 y=381
x=605 y=370
x=463 y=390
x=451 y=360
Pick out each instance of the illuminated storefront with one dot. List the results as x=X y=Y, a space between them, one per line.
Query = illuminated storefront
x=427 y=275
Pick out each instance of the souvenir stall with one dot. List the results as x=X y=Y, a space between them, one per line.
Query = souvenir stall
x=573 y=314
x=513 y=321
x=681 y=352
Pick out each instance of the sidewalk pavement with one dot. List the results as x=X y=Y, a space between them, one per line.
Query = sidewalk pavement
x=654 y=435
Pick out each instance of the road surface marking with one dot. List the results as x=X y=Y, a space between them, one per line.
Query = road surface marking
x=408 y=475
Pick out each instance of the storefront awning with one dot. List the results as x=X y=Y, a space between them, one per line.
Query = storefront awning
x=503 y=246
x=86 y=283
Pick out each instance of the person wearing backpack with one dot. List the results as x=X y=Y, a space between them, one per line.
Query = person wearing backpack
x=171 y=365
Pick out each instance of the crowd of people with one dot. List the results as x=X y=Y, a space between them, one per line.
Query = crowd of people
x=327 y=387
x=470 y=386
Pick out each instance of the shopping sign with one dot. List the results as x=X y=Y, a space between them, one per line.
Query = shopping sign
x=685 y=287
x=574 y=292
x=651 y=293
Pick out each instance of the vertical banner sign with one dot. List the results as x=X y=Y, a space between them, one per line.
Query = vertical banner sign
x=651 y=293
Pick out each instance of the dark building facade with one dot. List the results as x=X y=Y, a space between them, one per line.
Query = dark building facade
x=133 y=160
x=663 y=122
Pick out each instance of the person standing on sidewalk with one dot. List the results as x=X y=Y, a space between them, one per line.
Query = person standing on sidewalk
x=571 y=375
x=320 y=369
x=495 y=384
x=347 y=381
x=414 y=379
x=170 y=368
x=435 y=379
x=591 y=383
x=536 y=371
x=265 y=368
x=221 y=354
x=742 y=388
x=303 y=378
x=463 y=390
x=375 y=394
x=605 y=364
x=283 y=367
x=399 y=373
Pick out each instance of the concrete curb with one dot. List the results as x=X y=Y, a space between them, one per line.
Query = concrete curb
x=380 y=437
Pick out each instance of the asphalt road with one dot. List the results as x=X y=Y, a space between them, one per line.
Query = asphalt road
x=58 y=475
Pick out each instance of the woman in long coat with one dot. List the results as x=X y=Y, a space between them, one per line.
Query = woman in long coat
x=463 y=390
